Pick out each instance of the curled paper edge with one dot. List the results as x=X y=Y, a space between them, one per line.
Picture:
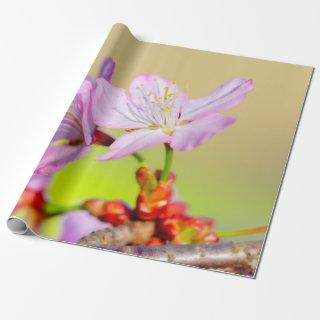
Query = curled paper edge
x=18 y=226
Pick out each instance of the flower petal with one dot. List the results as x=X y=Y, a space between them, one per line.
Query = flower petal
x=152 y=94
x=134 y=141
x=56 y=157
x=70 y=127
x=68 y=130
x=112 y=108
x=151 y=85
x=78 y=121
x=39 y=182
x=107 y=69
x=84 y=99
x=226 y=96
x=77 y=224
x=197 y=132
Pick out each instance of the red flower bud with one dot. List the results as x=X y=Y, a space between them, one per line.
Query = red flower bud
x=203 y=225
x=184 y=229
x=144 y=210
x=168 y=229
x=146 y=179
x=204 y=230
x=150 y=204
x=173 y=209
x=155 y=241
x=162 y=193
x=115 y=212
x=32 y=198
x=94 y=206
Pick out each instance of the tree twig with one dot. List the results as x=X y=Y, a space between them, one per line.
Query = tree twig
x=234 y=257
x=135 y=232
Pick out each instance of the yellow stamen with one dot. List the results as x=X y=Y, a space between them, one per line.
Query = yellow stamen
x=60 y=142
x=165 y=93
x=167 y=131
x=157 y=100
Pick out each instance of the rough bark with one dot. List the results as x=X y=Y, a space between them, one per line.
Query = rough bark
x=136 y=232
x=234 y=257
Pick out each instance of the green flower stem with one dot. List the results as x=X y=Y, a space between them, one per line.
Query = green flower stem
x=167 y=163
x=55 y=209
x=232 y=233
x=139 y=158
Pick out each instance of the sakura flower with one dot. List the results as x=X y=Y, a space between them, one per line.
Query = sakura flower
x=74 y=135
x=77 y=130
x=155 y=111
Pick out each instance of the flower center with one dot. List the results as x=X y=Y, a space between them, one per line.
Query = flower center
x=161 y=108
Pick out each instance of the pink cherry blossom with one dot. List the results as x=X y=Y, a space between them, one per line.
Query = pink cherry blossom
x=155 y=111
x=77 y=130
x=74 y=135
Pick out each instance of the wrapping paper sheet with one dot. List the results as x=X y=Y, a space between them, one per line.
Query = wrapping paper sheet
x=168 y=153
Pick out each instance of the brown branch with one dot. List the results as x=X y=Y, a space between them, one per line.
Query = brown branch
x=136 y=232
x=240 y=258
x=233 y=257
